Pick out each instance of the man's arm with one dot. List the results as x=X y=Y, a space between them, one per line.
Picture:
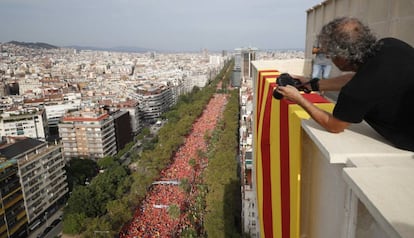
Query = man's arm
x=323 y=118
x=331 y=84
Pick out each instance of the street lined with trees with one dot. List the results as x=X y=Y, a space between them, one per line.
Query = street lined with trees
x=112 y=197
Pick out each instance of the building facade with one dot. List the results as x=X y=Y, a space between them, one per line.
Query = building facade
x=155 y=99
x=123 y=130
x=28 y=122
x=13 y=219
x=249 y=205
x=40 y=177
x=242 y=70
x=129 y=106
x=54 y=113
x=88 y=134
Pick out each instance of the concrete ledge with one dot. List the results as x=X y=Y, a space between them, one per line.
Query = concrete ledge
x=378 y=174
x=398 y=161
x=387 y=193
x=291 y=66
x=359 y=140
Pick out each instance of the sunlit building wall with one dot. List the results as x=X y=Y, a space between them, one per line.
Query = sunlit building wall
x=88 y=134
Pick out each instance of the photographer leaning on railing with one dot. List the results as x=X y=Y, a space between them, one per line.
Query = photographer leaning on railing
x=380 y=90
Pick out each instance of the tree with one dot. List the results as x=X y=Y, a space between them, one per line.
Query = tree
x=107 y=162
x=82 y=201
x=79 y=171
x=74 y=223
x=98 y=227
x=119 y=212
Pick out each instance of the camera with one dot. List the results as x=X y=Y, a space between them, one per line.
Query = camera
x=285 y=79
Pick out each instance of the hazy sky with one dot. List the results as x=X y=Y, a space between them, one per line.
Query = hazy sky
x=178 y=25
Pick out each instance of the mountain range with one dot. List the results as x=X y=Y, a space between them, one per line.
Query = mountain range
x=36 y=45
x=41 y=45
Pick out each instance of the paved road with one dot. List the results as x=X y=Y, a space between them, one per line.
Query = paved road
x=53 y=232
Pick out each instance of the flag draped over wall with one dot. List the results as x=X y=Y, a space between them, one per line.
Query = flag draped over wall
x=277 y=157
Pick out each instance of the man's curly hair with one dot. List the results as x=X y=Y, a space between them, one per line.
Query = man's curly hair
x=348 y=38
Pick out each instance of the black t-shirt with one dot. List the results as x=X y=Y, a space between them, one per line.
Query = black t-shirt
x=382 y=93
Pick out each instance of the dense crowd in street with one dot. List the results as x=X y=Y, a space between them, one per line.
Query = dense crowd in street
x=153 y=218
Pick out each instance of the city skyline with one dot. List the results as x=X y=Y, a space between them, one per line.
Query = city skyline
x=180 y=25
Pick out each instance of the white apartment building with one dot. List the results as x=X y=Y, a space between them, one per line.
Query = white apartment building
x=177 y=87
x=216 y=60
x=28 y=122
x=199 y=80
x=55 y=112
x=88 y=134
x=29 y=85
x=155 y=99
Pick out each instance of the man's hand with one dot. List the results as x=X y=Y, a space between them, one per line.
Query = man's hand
x=289 y=92
x=325 y=119
x=303 y=80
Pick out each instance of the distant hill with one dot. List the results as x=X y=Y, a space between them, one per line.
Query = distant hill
x=36 y=45
x=113 y=49
x=41 y=45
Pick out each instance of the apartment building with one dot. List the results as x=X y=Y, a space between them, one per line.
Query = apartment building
x=88 y=133
x=13 y=219
x=37 y=184
x=123 y=130
x=130 y=106
x=249 y=205
x=55 y=112
x=178 y=87
x=134 y=116
x=247 y=55
x=28 y=122
x=155 y=99
x=3 y=89
x=32 y=85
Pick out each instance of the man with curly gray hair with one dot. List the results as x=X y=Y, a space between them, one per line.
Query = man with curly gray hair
x=379 y=87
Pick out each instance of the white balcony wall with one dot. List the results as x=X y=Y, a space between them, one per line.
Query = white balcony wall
x=354 y=184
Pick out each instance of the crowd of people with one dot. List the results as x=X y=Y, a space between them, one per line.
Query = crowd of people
x=154 y=218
